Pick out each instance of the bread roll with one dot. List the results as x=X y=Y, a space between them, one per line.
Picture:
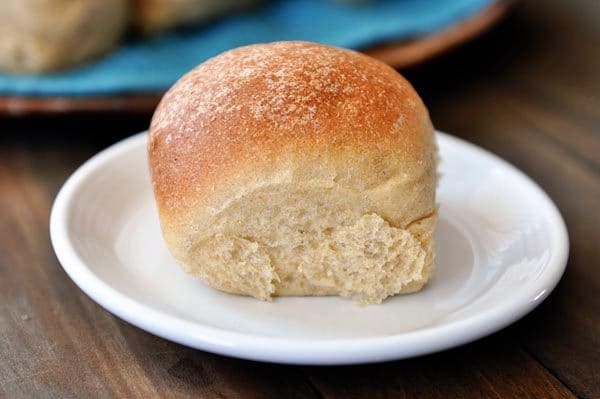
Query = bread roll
x=44 y=35
x=156 y=15
x=295 y=168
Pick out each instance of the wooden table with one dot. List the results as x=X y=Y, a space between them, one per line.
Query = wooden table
x=528 y=91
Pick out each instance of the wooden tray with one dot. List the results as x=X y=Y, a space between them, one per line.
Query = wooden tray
x=399 y=55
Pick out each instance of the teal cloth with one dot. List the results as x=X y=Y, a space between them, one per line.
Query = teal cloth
x=154 y=64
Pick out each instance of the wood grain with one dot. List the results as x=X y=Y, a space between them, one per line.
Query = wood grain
x=485 y=370
x=528 y=91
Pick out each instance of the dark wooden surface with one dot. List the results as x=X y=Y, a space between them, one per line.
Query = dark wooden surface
x=528 y=91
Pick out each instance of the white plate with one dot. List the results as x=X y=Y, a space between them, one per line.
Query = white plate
x=501 y=248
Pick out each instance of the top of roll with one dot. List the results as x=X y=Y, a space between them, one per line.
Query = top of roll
x=252 y=106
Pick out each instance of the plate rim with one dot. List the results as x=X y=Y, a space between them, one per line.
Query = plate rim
x=292 y=350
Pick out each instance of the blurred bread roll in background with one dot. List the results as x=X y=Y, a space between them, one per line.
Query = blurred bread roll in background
x=41 y=36
x=296 y=168
x=45 y=35
x=156 y=15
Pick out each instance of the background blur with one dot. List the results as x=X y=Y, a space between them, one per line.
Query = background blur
x=93 y=53
x=524 y=84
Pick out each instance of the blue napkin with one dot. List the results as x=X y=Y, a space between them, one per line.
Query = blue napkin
x=155 y=64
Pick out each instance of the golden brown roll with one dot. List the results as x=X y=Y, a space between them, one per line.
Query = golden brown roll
x=44 y=35
x=295 y=168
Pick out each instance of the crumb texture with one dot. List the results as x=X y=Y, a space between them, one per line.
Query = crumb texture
x=236 y=265
x=278 y=242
